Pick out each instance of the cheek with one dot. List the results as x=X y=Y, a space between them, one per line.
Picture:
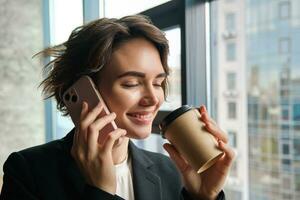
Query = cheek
x=121 y=100
x=161 y=96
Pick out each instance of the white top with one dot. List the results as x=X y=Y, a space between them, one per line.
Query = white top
x=124 y=179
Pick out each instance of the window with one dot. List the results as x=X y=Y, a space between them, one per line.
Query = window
x=231 y=81
x=297 y=182
x=286 y=162
x=286 y=182
x=231 y=110
x=129 y=7
x=232 y=138
x=264 y=56
x=296 y=112
x=230 y=22
x=284 y=45
x=297 y=148
x=230 y=51
x=174 y=62
x=285 y=113
x=284 y=10
x=62 y=27
x=286 y=149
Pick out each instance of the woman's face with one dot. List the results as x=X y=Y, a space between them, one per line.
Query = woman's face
x=131 y=86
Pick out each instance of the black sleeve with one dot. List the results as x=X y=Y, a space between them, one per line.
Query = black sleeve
x=186 y=196
x=17 y=180
x=94 y=193
x=18 y=183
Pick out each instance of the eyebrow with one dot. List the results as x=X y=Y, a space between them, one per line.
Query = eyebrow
x=140 y=74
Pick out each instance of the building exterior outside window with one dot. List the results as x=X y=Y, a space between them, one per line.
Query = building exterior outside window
x=230 y=22
x=284 y=9
x=230 y=51
x=231 y=81
x=267 y=57
x=231 y=110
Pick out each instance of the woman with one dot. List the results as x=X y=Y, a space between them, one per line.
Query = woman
x=127 y=60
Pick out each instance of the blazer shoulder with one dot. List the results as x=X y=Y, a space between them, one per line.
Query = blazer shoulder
x=40 y=155
x=54 y=148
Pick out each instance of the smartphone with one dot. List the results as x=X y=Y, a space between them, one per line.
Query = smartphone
x=84 y=89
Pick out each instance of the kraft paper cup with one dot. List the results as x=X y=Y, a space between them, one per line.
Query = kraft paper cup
x=184 y=129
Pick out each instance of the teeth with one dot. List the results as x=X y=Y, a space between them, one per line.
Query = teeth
x=149 y=116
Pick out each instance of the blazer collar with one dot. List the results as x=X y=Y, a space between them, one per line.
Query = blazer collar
x=146 y=182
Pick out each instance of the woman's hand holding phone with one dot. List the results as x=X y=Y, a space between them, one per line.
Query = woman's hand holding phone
x=94 y=158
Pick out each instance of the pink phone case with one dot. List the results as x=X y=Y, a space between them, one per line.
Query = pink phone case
x=84 y=90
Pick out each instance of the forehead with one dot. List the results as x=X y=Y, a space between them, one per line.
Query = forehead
x=135 y=55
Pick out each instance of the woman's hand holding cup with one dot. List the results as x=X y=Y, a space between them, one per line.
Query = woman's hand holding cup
x=208 y=183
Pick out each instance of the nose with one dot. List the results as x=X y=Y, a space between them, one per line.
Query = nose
x=150 y=97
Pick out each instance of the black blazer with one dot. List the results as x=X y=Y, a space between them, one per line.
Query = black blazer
x=49 y=172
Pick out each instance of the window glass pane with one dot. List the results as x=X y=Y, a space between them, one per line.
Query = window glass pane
x=285 y=149
x=62 y=23
x=284 y=45
x=231 y=110
x=284 y=9
x=62 y=26
x=129 y=7
x=232 y=138
x=231 y=80
x=230 y=51
x=265 y=107
x=296 y=112
x=230 y=22
x=174 y=61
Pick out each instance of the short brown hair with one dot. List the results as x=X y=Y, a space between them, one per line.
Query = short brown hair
x=89 y=49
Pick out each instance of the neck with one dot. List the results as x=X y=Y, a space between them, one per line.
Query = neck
x=120 y=150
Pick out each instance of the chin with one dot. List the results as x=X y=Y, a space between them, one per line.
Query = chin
x=139 y=135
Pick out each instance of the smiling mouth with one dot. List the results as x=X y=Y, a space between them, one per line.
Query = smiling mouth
x=141 y=118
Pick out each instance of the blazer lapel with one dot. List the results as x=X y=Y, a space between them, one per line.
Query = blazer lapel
x=73 y=177
x=146 y=183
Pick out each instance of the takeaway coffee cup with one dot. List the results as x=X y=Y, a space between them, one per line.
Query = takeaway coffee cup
x=184 y=129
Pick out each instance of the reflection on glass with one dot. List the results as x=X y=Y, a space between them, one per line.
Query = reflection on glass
x=267 y=68
x=173 y=100
x=128 y=7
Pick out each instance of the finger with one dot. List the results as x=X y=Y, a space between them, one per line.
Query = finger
x=181 y=164
x=93 y=133
x=229 y=156
x=111 y=138
x=83 y=113
x=87 y=119
x=205 y=116
x=84 y=110
x=101 y=122
x=216 y=131
x=91 y=116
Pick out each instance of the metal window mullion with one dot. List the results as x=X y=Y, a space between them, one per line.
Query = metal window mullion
x=49 y=105
x=196 y=58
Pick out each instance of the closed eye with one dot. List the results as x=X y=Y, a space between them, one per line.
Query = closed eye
x=157 y=84
x=130 y=85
